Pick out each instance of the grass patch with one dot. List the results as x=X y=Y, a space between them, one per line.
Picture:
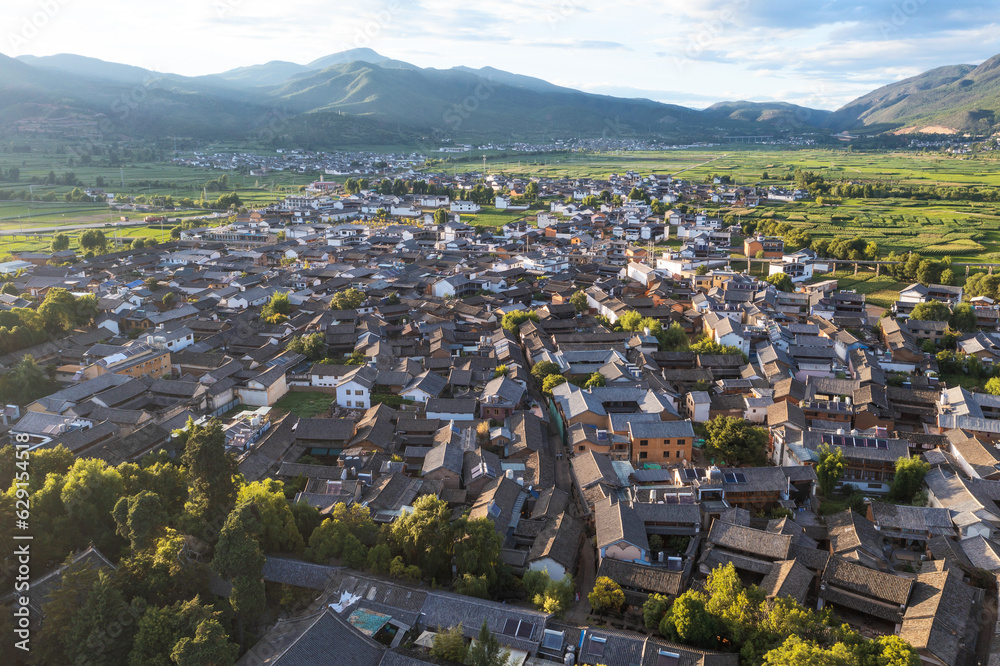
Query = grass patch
x=306 y=404
x=390 y=400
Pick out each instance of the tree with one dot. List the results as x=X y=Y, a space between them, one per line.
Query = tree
x=579 y=301
x=89 y=494
x=687 y=621
x=477 y=548
x=908 y=480
x=313 y=346
x=606 y=596
x=159 y=630
x=210 y=469
x=486 y=651
x=963 y=318
x=701 y=270
x=441 y=217
x=9 y=289
x=240 y=560
x=53 y=644
x=277 y=305
x=736 y=441
x=348 y=299
x=947 y=276
x=513 y=319
x=93 y=240
x=543 y=369
x=551 y=382
x=424 y=537
x=138 y=243
x=139 y=518
x=993 y=386
x=596 y=379
x=279 y=532
x=796 y=650
x=781 y=282
x=930 y=311
x=830 y=468
x=60 y=242
x=175 y=233
x=450 y=645
x=102 y=627
x=209 y=646
x=654 y=609
x=674 y=338
x=556 y=596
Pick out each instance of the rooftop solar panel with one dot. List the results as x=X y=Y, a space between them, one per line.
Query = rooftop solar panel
x=525 y=629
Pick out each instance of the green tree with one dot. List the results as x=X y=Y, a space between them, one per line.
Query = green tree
x=240 y=560
x=830 y=468
x=424 y=537
x=781 y=282
x=60 y=242
x=93 y=240
x=313 y=346
x=736 y=441
x=674 y=338
x=209 y=646
x=160 y=628
x=139 y=518
x=930 y=311
x=379 y=559
x=477 y=548
x=543 y=369
x=513 y=319
x=102 y=628
x=606 y=596
x=53 y=644
x=802 y=652
x=579 y=301
x=450 y=645
x=9 y=289
x=687 y=621
x=277 y=305
x=654 y=609
x=486 y=651
x=963 y=318
x=168 y=299
x=993 y=386
x=89 y=494
x=210 y=469
x=348 y=299
x=908 y=479
x=279 y=532
x=551 y=382
x=556 y=597
x=441 y=217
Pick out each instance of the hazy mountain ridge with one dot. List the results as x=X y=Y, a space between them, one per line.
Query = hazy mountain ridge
x=360 y=95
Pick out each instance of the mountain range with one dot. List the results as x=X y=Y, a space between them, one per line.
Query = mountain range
x=360 y=97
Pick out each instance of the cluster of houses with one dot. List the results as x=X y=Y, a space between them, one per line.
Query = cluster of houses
x=429 y=394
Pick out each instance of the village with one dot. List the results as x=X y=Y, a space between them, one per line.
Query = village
x=602 y=381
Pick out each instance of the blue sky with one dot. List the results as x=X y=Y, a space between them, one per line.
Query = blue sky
x=820 y=54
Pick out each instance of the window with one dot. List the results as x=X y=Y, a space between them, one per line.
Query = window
x=582 y=448
x=666 y=442
x=643 y=455
x=666 y=454
x=643 y=442
x=679 y=453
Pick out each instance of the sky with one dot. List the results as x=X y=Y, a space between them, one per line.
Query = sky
x=819 y=53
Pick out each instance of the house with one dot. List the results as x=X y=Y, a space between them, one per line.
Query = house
x=621 y=534
x=354 y=389
x=660 y=442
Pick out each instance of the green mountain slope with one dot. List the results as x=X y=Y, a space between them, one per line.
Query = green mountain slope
x=776 y=114
x=957 y=98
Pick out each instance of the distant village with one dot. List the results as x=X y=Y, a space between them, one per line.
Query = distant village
x=432 y=334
